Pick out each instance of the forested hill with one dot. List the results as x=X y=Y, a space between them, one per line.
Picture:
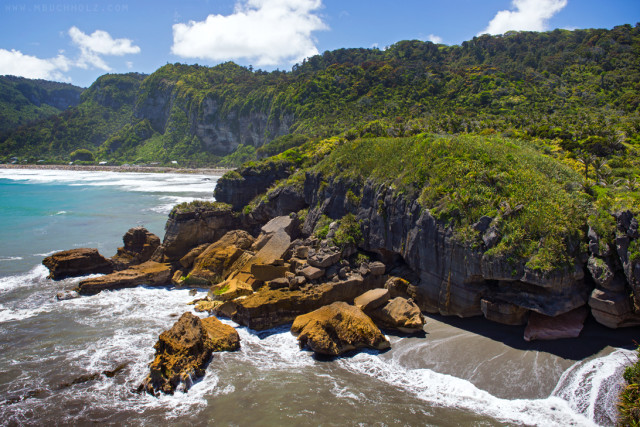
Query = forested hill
x=24 y=101
x=578 y=88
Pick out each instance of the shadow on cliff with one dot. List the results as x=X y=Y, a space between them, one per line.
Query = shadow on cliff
x=593 y=338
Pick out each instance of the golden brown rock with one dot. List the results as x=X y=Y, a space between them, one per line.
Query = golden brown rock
x=214 y=264
x=149 y=273
x=139 y=245
x=337 y=328
x=399 y=313
x=183 y=352
x=76 y=262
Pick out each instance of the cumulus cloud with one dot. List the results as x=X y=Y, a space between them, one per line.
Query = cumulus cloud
x=16 y=63
x=266 y=32
x=92 y=47
x=435 y=39
x=527 y=15
x=97 y=44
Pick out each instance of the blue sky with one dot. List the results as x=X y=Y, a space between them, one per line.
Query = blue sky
x=79 y=40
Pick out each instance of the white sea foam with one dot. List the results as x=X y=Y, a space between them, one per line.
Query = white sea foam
x=10 y=315
x=47 y=253
x=130 y=181
x=592 y=386
x=10 y=258
x=448 y=391
x=29 y=279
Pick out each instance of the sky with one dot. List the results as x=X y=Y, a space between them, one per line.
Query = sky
x=76 y=41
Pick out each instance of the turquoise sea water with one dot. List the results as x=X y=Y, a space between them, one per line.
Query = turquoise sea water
x=46 y=211
x=53 y=353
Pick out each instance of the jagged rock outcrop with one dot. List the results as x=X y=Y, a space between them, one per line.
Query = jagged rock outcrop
x=195 y=225
x=139 y=246
x=616 y=274
x=149 y=273
x=184 y=351
x=453 y=278
x=76 y=262
x=268 y=308
x=215 y=262
x=220 y=129
x=239 y=187
x=336 y=329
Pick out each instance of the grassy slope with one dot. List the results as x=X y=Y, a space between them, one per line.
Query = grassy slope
x=460 y=179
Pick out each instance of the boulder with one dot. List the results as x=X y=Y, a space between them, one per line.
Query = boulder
x=77 y=262
x=399 y=313
x=377 y=268
x=215 y=263
x=267 y=272
x=312 y=273
x=567 y=325
x=148 y=273
x=183 y=352
x=397 y=286
x=372 y=299
x=279 y=283
x=337 y=328
x=139 y=246
x=268 y=308
x=504 y=312
x=66 y=295
x=324 y=258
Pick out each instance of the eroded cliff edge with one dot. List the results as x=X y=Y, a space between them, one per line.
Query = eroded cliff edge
x=464 y=256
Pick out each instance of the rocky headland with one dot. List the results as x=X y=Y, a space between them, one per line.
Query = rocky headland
x=342 y=259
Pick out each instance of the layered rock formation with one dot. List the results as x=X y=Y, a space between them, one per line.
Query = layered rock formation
x=616 y=273
x=149 y=273
x=139 y=246
x=184 y=351
x=76 y=262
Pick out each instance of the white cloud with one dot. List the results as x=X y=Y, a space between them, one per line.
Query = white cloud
x=435 y=39
x=97 y=44
x=528 y=15
x=16 y=63
x=266 y=32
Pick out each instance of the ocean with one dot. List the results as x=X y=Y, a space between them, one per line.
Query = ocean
x=78 y=361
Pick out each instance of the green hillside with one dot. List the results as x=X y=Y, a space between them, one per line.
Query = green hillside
x=579 y=90
x=24 y=101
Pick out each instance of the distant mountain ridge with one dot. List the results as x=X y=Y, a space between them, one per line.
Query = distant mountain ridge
x=579 y=87
x=24 y=101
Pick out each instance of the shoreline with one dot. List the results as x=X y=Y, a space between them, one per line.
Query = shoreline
x=123 y=169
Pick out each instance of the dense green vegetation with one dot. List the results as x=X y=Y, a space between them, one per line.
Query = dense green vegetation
x=105 y=108
x=24 y=101
x=629 y=405
x=534 y=197
x=574 y=89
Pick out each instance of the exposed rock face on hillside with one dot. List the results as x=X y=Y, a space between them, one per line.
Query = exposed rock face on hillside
x=453 y=278
x=616 y=274
x=239 y=188
x=221 y=132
